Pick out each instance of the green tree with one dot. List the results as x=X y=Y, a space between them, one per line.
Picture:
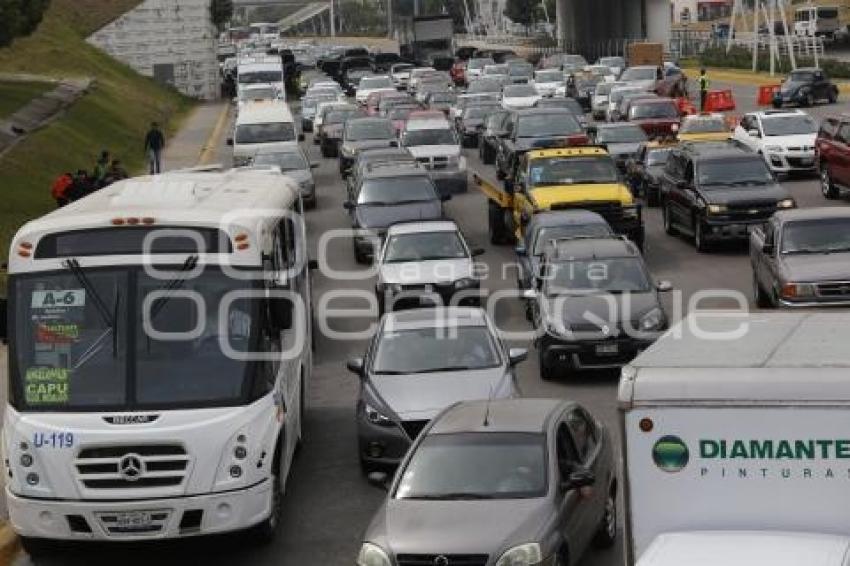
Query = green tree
x=221 y=12
x=19 y=18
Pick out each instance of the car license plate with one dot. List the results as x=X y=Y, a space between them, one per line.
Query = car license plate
x=806 y=161
x=607 y=349
x=133 y=520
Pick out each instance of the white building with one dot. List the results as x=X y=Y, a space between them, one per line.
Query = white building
x=173 y=41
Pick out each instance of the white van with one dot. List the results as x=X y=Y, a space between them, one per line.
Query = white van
x=741 y=424
x=159 y=353
x=263 y=70
x=263 y=125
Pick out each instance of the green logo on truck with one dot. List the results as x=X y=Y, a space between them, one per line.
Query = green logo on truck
x=670 y=454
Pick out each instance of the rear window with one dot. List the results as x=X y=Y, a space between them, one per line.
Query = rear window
x=265 y=133
x=130 y=240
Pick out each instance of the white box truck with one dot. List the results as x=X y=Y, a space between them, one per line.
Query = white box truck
x=736 y=434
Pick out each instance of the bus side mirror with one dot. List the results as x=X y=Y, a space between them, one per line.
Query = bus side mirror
x=280 y=313
x=4 y=333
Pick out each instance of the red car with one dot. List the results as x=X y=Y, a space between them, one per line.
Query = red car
x=373 y=100
x=458 y=73
x=832 y=155
x=659 y=117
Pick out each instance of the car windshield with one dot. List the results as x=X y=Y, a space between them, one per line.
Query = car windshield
x=479 y=63
x=750 y=171
x=369 y=130
x=603 y=275
x=496 y=70
x=265 y=133
x=340 y=116
x=287 y=161
x=573 y=170
x=495 y=465
x=401 y=112
x=254 y=77
x=436 y=136
x=549 y=233
x=657 y=156
x=312 y=101
x=442 y=97
x=519 y=91
x=797 y=124
x=621 y=134
x=375 y=82
x=393 y=191
x=549 y=76
x=483 y=86
x=639 y=74
x=617 y=95
x=478 y=112
x=260 y=93
x=424 y=246
x=611 y=61
x=402 y=68
x=604 y=89
x=801 y=77
x=423 y=350
x=539 y=125
x=520 y=70
x=653 y=110
x=703 y=126
x=90 y=349
x=823 y=235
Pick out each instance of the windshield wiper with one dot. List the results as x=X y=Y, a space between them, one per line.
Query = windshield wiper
x=108 y=318
x=446 y=368
x=168 y=289
x=391 y=372
x=450 y=496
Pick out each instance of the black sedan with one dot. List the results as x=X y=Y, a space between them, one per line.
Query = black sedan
x=471 y=123
x=645 y=170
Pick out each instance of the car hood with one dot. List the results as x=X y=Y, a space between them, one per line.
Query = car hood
x=299 y=175
x=797 y=140
x=705 y=136
x=434 y=150
x=582 y=312
x=646 y=84
x=545 y=197
x=619 y=148
x=379 y=217
x=438 y=271
x=520 y=101
x=816 y=267
x=422 y=396
x=409 y=526
x=369 y=144
x=755 y=196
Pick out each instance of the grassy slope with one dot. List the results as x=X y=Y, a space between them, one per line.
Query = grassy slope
x=115 y=115
x=15 y=95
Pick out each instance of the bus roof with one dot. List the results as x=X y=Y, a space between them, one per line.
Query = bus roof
x=235 y=201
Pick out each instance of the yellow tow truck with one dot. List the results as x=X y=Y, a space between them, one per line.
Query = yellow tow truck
x=579 y=177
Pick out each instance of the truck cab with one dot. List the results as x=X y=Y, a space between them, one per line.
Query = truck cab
x=567 y=178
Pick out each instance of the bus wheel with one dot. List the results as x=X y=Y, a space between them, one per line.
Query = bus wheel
x=265 y=532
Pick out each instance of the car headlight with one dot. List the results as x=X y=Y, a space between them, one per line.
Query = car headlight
x=465 y=283
x=797 y=290
x=347 y=151
x=786 y=203
x=717 y=209
x=652 y=320
x=372 y=555
x=522 y=555
x=774 y=148
x=630 y=211
x=674 y=127
x=376 y=417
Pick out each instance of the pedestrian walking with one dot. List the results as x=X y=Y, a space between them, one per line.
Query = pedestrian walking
x=703 y=89
x=100 y=169
x=154 y=144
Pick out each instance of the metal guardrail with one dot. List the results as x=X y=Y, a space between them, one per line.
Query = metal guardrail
x=684 y=43
x=534 y=45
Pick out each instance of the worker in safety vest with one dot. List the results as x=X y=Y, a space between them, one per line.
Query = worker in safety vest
x=703 y=89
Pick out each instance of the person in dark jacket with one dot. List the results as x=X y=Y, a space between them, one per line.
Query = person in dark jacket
x=100 y=169
x=115 y=173
x=154 y=144
x=82 y=186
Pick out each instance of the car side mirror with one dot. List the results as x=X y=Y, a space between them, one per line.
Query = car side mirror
x=348 y=205
x=378 y=479
x=754 y=133
x=579 y=478
x=767 y=249
x=664 y=286
x=477 y=252
x=355 y=366
x=521 y=251
x=4 y=330
x=315 y=165
x=230 y=141
x=517 y=355
x=445 y=198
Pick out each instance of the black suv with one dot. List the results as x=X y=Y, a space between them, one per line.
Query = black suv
x=535 y=129
x=594 y=305
x=716 y=191
x=384 y=195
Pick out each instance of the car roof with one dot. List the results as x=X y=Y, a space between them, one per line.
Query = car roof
x=715 y=149
x=592 y=248
x=817 y=213
x=380 y=153
x=400 y=169
x=409 y=319
x=368 y=119
x=779 y=112
x=416 y=123
x=264 y=111
x=422 y=226
x=501 y=415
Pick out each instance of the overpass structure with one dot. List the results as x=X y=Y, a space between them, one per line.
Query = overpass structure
x=583 y=23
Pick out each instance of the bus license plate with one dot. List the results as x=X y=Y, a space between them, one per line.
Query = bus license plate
x=607 y=349
x=133 y=520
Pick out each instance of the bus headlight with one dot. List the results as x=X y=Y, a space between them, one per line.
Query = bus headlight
x=372 y=555
x=786 y=203
x=630 y=211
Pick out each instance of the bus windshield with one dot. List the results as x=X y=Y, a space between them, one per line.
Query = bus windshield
x=121 y=339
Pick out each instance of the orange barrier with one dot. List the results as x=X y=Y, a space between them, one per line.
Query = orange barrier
x=765 y=96
x=719 y=101
x=686 y=107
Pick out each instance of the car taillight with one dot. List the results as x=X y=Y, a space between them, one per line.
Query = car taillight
x=578 y=139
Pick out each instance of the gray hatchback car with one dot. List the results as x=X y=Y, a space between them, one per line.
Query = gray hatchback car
x=509 y=482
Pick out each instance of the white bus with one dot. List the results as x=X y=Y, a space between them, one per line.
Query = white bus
x=159 y=354
x=816 y=21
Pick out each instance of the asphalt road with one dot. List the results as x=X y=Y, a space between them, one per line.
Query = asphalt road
x=328 y=503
